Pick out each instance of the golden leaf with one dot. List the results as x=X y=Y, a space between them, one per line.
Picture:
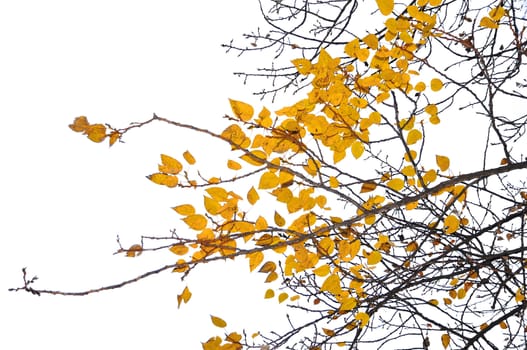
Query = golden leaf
x=282 y=297
x=255 y=259
x=268 y=180
x=231 y=164
x=374 y=258
x=179 y=249
x=412 y=246
x=196 y=221
x=357 y=148
x=163 y=179
x=96 y=132
x=278 y=219
x=256 y=157
x=396 y=184
x=331 y=284
x=442 y=162
x=269 y=294
x=303 y=66
x=451 y=224
x=218 y=322
x=368 y=187
x=80 y=124
x=445 y=340
x=363 y=317
x=488 y=22
x=184 y=296
x=385 y=6
x=134 y=251
x=413 y=136
x=322 y=270
x=436 y=84
x=184 y=209
x=189 y=158
x=169 y=165
x=242 y=110
x=114 y=136
x=269 y=266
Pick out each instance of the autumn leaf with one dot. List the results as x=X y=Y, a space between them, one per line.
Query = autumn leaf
x=196 y=221
x=242 y=110
x=169 y=165
x=218 y=322
x=80 y=124
x=189 y=158
x=164 y=179
x=179 y=249
x=442 y=162
x=255 y=259
x=184 y=297
x=185 y=209
x=96 y=132
x=445 y=340
x=134 y=250
x=385 y=6
x=451 y=224
x=363 y=318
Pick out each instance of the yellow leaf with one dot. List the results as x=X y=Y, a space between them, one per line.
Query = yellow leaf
x=269 y=294
x=413 y=136
x=442 y=162
x=96 y=132
x=169 y=165
x=434 y=302
x=326 y=245
x=256 y=157
x=363 y=318
x=496 y=13
x=255 y=259
x=268 y=180
x=164 y=179
x=331 y=284
x=420 y=87
x=212 y=206
x=184 y=297
x=242 y=110
x=184 y=209
x=357 y=148
x=451 y=224
x=231 y=164
x=333 y=182
x=445 y=340
x=487 y=22
x=189 y=158
x=374 y=257
x=385 y=6
x=252 y=196
x=218 y=193
x=354 y=248
x=395 y=184
x=503 y=325
x=328 y=332
x=461 y=293
x=372 y=41
x=322 y=270
x=196 y=221
x=134 y=251
x=436 y=84
x=303 y=66
x=179 y=249
x=218 y=322
x=80 y=124
x=282 y=297
x=261 y=223
x=278 y=219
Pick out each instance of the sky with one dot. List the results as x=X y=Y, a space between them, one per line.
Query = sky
x=65 y=199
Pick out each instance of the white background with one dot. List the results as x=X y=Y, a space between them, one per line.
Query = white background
x=64 y=199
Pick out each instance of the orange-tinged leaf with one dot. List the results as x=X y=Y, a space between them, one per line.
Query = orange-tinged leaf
x=218 y=322
x=412 y=246
x=80 y=124
x=434 y=302
x=196 y=221
x=96 y=132
x=451 y=224
x=461 y=293
x=184 y=296
x=442 y=162
x=134 y=250
x=242 y=110
x=185 y=209
x=328 y=332
x=385 y=6
x=436 y=84
x=374 y=258
x=368 y=187
x=503 y=325
x=363 y=317
x=163 y=179
x=519 y=297
x=357 y=148
x=231 y=164
x=445 y=340
x=269 y=266
x=273 y=276
x=282 y=297
x=179 y=249
x=278 y=219
x=169 y=165
x=396 y=184
x=114 y=136
x=269 y=294
x=354 y=248
x=413 y=136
